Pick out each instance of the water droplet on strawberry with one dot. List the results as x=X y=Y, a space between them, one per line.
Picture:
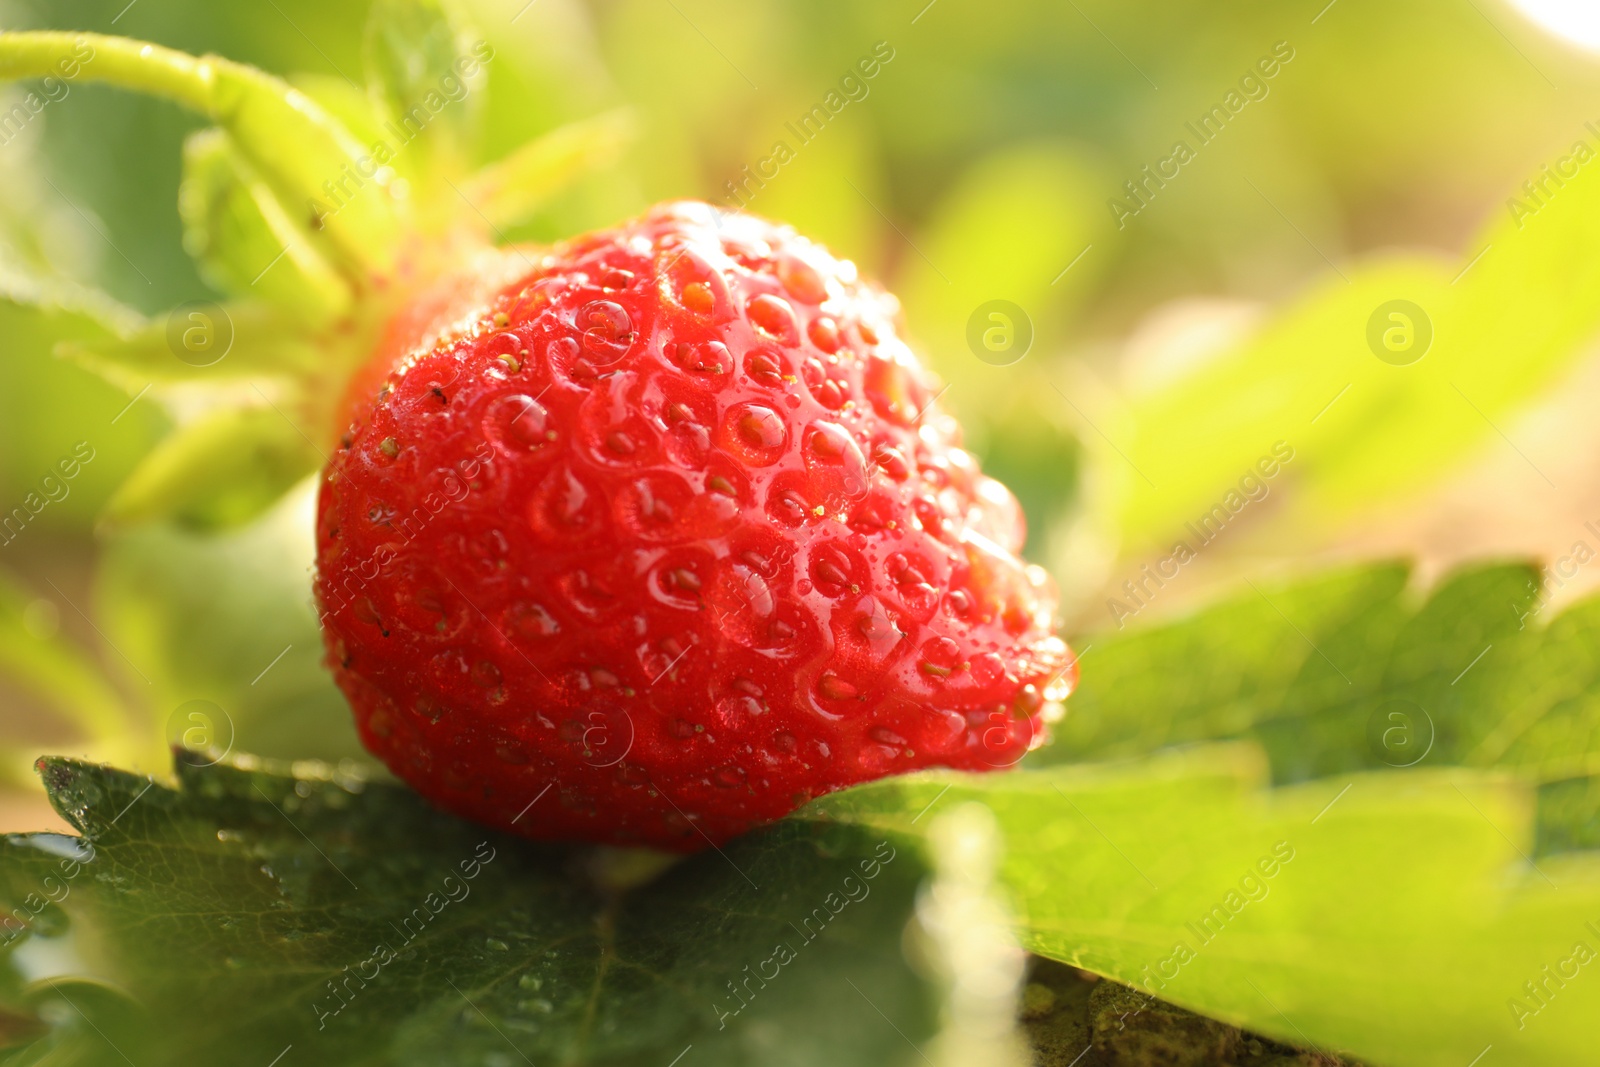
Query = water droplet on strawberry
x=531 y=621
x=756 y=433
x=768 y=368
x=773 y=316
x=801 y=280
x=607 y=331
x=824 y=333
x=885 y=736
x=706 y=358
x=517 y=423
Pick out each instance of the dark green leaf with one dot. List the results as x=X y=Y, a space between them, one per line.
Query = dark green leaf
x=249 y=912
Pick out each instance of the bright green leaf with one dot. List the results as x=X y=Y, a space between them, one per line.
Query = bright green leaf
x=71 y=437
x=1353 y=671
x=1479 y=338
x=1393 y=915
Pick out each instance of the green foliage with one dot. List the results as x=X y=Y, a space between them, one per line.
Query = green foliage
x=1393 y=916
x=422 y=74
x=220 y=470
x=1364 y=430
x=246 y=242
x=38 y=434
x=38 y=658
x=253 y=910
x=227 y=617
x=1354 y=671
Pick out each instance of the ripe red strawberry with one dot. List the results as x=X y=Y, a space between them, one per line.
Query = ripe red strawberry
x=663 y=537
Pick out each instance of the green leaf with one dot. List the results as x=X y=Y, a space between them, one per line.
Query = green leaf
x=425 y=77
x=508 y=193
x=246 y=243
x=251 y=911
x=60 y=312
x=37 y=657
x=222 y=469
x=64 y=414
x=227 y=617
x=1504 y=329
x=1355 y=670
x=1392 y=915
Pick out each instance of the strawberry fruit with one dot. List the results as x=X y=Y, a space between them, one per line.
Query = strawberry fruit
x=665 y=536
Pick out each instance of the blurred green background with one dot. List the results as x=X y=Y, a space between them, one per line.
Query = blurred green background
x=1169 y=351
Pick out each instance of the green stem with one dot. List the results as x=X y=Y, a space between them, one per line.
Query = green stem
x=148 y=68
x=297 y=145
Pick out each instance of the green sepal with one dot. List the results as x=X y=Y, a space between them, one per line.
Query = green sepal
x=244 y=240
x=508 y=192
x=202 y=341
x=219 y=471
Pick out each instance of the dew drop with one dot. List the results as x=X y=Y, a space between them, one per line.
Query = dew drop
x=773 y=316
x=531 y=621
x=607 y=330
x=884 y=735
x=801 y=280
x=892 y=461
x=824 y=333
x=485 y=675
x=708 y=357
x=517 y=423
x=757 y=433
